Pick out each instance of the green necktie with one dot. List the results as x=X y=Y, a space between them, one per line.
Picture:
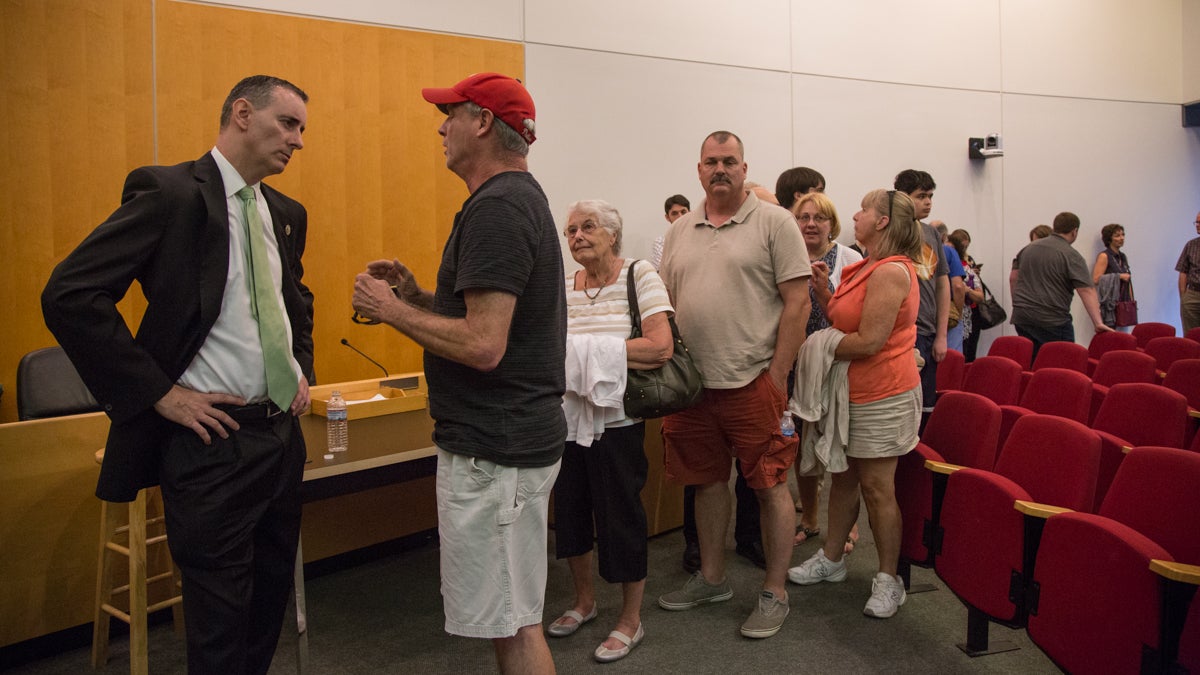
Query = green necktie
x=281 y=379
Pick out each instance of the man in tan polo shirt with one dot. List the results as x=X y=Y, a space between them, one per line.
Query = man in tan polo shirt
x=737 y=270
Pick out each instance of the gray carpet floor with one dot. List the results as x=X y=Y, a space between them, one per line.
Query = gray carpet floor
x=385 y=616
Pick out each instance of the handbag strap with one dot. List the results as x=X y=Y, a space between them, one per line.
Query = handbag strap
x=986 y=291
x=635 y=314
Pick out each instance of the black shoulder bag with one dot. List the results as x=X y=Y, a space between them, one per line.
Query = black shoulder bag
x=674 y=386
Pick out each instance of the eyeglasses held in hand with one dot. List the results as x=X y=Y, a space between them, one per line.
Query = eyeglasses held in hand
x=364 y=321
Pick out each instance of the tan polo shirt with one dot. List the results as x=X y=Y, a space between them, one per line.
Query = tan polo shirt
x=724 y=283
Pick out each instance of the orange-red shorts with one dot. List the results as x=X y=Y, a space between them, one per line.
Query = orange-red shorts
x=738 y=423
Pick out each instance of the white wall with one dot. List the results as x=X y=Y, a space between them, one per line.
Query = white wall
x=1086 y=94
x=1191 y=51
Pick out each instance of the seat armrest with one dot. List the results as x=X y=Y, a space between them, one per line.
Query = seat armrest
x=944 y=468
x=1176 y=571
x=1038 y=510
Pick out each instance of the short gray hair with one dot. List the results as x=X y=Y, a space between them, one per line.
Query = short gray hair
x=509 y=138
x=606 y=216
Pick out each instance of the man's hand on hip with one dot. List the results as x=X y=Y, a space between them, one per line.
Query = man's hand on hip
x=197 y=411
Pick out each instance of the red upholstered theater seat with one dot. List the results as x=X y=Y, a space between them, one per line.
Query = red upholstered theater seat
x=1108 y=341
x=1145 y=332
x=1098 y=604
x=995 y=377
x=962 y=429
x=1015 y=347
x=1133 y=415
x=1051 y=391
x=950 y=371
x=1168 y=350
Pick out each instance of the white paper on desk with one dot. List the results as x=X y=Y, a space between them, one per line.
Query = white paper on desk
x=376 y=397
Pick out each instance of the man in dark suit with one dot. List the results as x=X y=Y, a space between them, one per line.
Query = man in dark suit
x=203 y=400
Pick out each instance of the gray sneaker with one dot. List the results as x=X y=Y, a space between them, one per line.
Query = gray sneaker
x=767 y=618
x=887 y=594
x=818 y=568
x=696 y=591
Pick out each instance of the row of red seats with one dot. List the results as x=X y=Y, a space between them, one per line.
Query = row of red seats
x=964 y=521
x=1164 y=350
x=1065 y=391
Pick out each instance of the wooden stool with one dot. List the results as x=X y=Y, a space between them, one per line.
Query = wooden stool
x=134 y=549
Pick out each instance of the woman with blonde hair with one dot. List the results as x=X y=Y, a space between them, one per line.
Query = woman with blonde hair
x=875 y=307
x=820 y=227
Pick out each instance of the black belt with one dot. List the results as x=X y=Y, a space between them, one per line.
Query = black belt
x=249 y=414
x=1193 y=287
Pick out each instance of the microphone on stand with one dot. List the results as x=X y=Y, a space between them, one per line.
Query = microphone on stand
x=360 y=353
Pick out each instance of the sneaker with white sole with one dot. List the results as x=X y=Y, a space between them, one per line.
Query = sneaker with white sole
x=767 y=618
x=818 y=568
x=887 y=594
x=697 y=591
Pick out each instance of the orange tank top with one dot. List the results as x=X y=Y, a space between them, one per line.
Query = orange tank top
x=893 y=369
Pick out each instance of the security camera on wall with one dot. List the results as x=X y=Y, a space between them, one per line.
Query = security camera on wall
x=991 y=145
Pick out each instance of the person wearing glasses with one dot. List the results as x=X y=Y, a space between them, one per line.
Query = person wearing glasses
x=819 y=225
x=1189 y=281
x=597 y=499
x=875 y=307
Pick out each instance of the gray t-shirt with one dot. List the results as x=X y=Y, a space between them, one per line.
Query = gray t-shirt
x=504 y=238
x=1048 y=272
x=931 y=265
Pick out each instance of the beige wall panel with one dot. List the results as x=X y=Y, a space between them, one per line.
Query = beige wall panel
x=941 y=43
x=75 y=110
x=750 y=33
x=625 y=138
x=499 y=19
x=1111 y=49
x=1191 y=51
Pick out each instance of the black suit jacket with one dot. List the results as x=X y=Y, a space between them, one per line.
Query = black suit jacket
x=171 y=235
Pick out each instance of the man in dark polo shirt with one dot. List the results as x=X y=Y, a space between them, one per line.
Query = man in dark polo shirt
x=494 y=333
x=1044 y=275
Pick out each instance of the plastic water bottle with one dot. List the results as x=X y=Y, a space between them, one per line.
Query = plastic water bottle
x=787 y=426
x=336 y=424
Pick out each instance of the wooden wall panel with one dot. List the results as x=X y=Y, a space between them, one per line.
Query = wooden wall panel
x=83 y=89
x=372 y=173
x=75 y=116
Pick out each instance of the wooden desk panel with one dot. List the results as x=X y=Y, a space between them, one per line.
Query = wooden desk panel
x=50 y=517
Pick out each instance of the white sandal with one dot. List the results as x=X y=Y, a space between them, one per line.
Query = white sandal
x=605 y=655
x=562 y=629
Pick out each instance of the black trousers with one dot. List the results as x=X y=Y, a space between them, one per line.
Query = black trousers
x=747 y=529
x=599 y=489
x=233 y=522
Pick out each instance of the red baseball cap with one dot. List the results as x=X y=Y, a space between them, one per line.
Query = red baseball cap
x=506 y=97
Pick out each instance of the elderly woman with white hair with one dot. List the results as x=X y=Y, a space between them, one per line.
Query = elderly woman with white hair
x=598 y=493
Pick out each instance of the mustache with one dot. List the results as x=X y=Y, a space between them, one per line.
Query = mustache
x=720 y=178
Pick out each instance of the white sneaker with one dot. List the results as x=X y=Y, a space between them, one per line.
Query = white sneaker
x=887 y=594
x=818 y=568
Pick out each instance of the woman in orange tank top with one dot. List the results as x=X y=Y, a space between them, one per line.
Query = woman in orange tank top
x=876 y=307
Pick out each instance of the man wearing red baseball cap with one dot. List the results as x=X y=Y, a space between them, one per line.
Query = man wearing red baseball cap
x=494 y=333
